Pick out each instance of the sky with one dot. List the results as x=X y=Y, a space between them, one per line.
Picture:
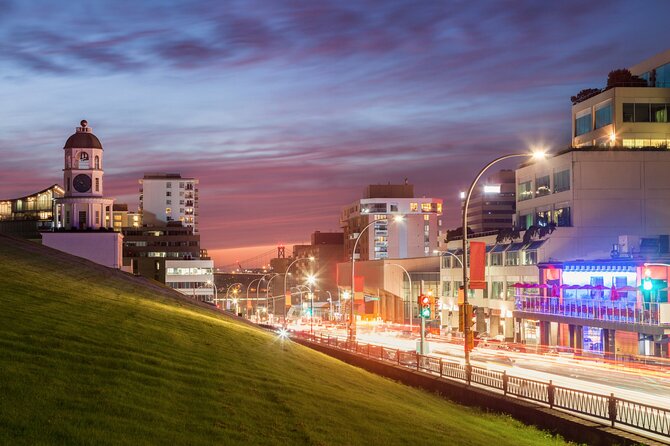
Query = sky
x=286 y=110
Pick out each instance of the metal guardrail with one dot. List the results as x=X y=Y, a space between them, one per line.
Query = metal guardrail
x=608 y=408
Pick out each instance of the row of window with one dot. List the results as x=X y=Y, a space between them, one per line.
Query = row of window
x=494 y=290
x=543 y=186
x=182 y=185
x=187 y=285
x=658 y=77
x=513 y=256
x=560 y=216
x=645 y=112
x=196 y=271
x=584 y=122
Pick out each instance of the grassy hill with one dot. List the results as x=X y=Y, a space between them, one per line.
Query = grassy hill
x=94 y=356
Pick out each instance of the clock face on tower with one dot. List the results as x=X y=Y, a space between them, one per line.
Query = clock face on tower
x=82 y=183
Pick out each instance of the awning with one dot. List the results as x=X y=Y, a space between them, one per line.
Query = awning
x=489 y=248
x=515 y=247
x=499 y=248
x=534 y=245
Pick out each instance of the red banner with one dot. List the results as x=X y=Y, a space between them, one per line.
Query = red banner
x=359 y=282
x=477 y=266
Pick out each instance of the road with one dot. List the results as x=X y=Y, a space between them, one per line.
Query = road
x=644 y=386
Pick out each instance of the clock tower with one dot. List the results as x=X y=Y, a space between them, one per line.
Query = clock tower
x=83 y=205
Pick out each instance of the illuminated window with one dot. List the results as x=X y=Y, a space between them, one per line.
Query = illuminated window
x=168 y=210
x=439 y=207
x=426 y=207
x=426 y=217
x=542 y=186
x=414 y=207
x=524 y=191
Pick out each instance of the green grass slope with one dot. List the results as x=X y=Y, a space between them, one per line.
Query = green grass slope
x=94 y=356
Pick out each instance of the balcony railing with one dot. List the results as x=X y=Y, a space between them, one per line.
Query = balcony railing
x=629 y=312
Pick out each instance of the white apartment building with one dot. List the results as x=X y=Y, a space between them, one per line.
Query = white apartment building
x=166 y=197
x=417 y=235
x=625 y=116
x=193 y=278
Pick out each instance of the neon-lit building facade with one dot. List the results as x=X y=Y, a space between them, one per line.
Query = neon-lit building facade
x=612 y=307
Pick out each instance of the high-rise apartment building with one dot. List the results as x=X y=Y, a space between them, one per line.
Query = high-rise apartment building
x=167 y=197
x=493 y=203
x=416 y=236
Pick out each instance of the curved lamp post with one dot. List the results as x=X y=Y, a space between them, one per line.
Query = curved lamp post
x=464 y=263
x=267 y=294
x=229 y=287
x=411 y=302
x=249 y=286
x=352 y=316
x=286 y=273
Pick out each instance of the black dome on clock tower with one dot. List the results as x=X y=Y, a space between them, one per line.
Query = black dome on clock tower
x=83 y=139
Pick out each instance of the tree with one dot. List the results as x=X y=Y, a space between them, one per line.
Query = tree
x=623 y=78
x=453 y=234
x=584 y=95
x=505 y=235
x=538 y=231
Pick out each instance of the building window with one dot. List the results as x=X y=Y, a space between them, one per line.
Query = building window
x=562 y=216
x=97 y=184
x=512 y=258
x=525 y=221
x=496 y=259
x=496 y=290
x=97 y=217
x=542 y=186
x=67 y=217
x=84 y=162
x=414 y=207
x=446 y=289
x=168 y=185
x=181 y=185
x=524 y=191
x=628 y=113
x=543 y=218
x=530 y=257
x=561 y=181
x=97 y=162
x=168 y=194
x=511 y=290
x=641 y=113
x=659 y=113
x=604 y=115
x=583 y=124
x=168 y=210
x=168 y=201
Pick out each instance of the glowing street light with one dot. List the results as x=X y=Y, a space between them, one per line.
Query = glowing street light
x=352 y=316
x=536 y=155
x=286 y=273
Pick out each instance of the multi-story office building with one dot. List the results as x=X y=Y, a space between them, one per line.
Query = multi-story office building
x=193 y=278
x=327 y=249
x=417 y=235
x=170 y=254
x=600 y=202
x=27 y=216
x=627 y=116
x=123 y=218
x=383 y=288
x=492 y=203
x=167 y=197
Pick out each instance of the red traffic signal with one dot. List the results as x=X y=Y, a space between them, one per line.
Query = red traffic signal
x=424 y=300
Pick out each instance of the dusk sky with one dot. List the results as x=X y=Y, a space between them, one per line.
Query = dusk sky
x=286 y=110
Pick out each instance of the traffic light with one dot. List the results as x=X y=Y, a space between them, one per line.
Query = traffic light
x=647 y=281
x=465 y=316
x=424 y=303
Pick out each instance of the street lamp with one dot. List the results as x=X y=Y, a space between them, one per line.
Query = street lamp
x=258 y=297
x=352 y=316
x=539 y=155
x=286 y=273
x=311 y=281
x=248 y=287
x=411 y=302
x=235 y=291
x=267 y=295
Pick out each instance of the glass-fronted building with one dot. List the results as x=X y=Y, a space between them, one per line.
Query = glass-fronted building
x=27 y=216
